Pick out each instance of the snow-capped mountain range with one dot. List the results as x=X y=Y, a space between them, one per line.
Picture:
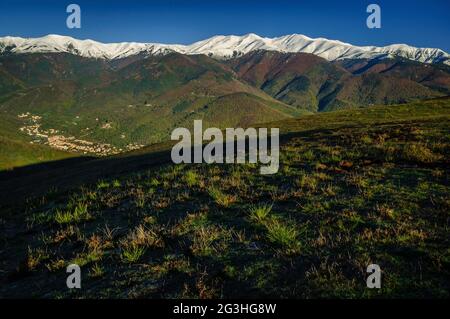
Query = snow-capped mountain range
x=222 y=47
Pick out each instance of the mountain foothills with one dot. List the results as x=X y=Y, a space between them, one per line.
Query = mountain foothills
x=87 y=97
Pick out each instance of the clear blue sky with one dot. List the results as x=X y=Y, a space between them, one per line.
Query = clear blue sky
x=418 y=23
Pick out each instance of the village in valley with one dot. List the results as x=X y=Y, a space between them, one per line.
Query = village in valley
x=55 y=139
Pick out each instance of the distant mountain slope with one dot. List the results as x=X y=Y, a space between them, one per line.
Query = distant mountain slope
x=374 y=89
x=307 y=81
x=298 y=79
x=220 y=47
x=70 y=101
x=434 y=77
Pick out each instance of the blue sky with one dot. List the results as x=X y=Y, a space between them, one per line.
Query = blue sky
x=418 y=23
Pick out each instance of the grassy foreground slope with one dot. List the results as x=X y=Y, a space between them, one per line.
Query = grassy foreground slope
x=354 y=188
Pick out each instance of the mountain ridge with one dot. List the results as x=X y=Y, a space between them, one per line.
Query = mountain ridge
x=222 y=47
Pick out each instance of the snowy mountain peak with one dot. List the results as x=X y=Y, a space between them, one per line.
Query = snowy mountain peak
x=220 y=46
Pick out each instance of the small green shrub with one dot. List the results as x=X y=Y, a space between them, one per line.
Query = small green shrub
x=282 y=235
x=102 y=184
x=78 y=214
x=308 y=182
x=116 y=183
x=308 y=155
x=203 y=241
x=190 y=178
x=419 y=153
x=97 y=271
x=87 y=258
x=132 y=254
x=260 y=213
x=221 y=198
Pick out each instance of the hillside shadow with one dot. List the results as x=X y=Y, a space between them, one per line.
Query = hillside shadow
x=32 y=168
x=36 y=180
